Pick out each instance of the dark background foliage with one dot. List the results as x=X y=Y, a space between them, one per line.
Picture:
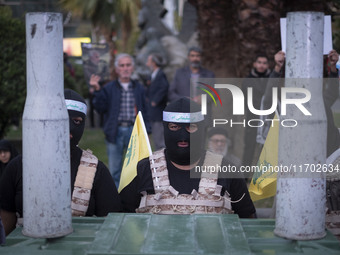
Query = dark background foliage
x=12 y=69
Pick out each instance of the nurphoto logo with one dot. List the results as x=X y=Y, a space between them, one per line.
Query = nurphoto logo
x=238 y=104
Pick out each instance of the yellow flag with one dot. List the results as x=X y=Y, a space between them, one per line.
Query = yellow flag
x=263 y=184
x=139 y=148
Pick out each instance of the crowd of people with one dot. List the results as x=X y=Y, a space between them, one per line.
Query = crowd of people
x=182 y=141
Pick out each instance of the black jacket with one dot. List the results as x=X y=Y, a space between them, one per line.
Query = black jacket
x=157 y=92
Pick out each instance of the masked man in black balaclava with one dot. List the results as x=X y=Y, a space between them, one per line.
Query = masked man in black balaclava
x=100 y=200
x=164 y=184
x=103 y=196
x=183 y=132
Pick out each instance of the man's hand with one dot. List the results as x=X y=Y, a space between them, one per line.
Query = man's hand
x=94 y=82
x=279 y=61
x=333 y=58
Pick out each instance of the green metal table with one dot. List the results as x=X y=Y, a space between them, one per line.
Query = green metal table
x=120 y=233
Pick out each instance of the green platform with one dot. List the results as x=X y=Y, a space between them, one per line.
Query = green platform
x=169 y=234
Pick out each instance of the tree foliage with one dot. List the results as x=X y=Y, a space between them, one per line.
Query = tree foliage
x=12 y=69
x=99 y=12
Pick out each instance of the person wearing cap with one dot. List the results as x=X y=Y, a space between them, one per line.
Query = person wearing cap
x=219 y=142
x=7 y=153
x=120 y=101
x=164 y=184
x=181 y=85
x=157 y=98
x=103 y=197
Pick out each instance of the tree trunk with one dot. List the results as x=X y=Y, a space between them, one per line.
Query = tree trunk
x=216 y=35
x=232 y=33
x=257 y=31
x=308 y=5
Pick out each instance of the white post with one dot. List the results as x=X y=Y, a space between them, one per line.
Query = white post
x=300 y=209
x=46 y=142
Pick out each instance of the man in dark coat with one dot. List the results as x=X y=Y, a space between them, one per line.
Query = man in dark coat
x=257 y=81
x=157 y=99
x=174 y=172
x=181 y=85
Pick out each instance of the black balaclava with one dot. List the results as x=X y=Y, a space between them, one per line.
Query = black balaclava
x=183 y=112
x=76 y=107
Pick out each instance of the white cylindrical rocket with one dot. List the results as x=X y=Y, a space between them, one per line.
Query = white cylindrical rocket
x=300 y=209
x=46 y=142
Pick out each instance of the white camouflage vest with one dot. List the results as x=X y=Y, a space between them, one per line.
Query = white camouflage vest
x=83 y=184
x=167 y=200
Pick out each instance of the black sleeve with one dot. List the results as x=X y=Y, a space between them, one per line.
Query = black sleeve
x=131 y=194
x=144 y=109
x=237 y=187
x=162 y=89
x=130 y=197
x=11 y=186
x=105 y=192
x=245 y=85
x=272 y=82
x=245 y=207
x=101 y=98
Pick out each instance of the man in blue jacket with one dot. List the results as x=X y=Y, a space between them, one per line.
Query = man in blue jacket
x=119 y=101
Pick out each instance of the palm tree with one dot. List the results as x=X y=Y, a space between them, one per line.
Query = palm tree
x=108 y=17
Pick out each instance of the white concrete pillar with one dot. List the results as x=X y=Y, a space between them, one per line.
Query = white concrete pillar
x=300 y=209
x=46 y=142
